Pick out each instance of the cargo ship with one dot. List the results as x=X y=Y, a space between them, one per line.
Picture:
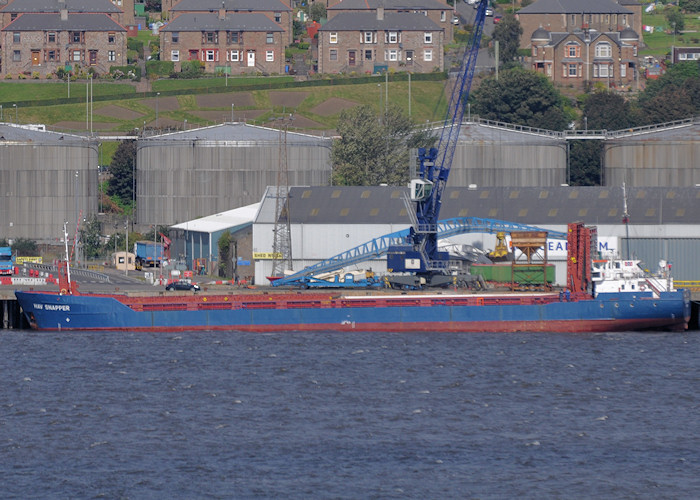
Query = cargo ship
x=603 y=295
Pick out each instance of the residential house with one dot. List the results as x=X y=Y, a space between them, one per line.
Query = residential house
x=573 y=59
x=275 y=10
x=18 y=7
x=369 y=42
x=127 y=7
x=567 y=16
x=231 y=43
x=42 y=43
x=683 y=54
x=436 y=10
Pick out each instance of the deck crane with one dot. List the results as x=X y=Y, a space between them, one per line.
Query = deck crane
x=420 y=256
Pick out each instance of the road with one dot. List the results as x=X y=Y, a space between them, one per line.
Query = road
x=467 y=14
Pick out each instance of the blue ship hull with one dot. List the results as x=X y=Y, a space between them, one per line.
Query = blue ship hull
x=321 y=312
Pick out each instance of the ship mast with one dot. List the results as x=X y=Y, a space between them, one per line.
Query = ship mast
x=626 y=219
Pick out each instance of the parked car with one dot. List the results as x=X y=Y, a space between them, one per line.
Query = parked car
x=182 y=285
x=489 y=11
x=497 y=19
x=455 y=20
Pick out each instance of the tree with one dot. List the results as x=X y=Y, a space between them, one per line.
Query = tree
x=690 y=5
x=674 y=96
x=607 y=110
x=675 y=18
x=153 y=5
x=225 y=242
x=521 y=97
x=25 y=247
x=122 y=183
x=374 y=149
x=317 y=10
x=508 y=33
x=91 y=238
x=585 y=162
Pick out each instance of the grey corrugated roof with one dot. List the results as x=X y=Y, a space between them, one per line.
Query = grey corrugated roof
x=86 y=22
x=538 y=206
x=390 y=5
x=404 y=21
x=574 y=7
x=229 y=5
x=85 y=6
x=238 y=134
x=236 y=22
x=23 y=133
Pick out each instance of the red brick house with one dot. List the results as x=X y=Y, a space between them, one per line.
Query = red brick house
x=567 y=16
x=370 y=42
x=436 y=10
x=586 y=56
x=232 y=43
x=42 y=43
x=275 y=10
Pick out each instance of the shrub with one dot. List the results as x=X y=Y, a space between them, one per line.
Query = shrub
x=35 y=75
x=159 y=68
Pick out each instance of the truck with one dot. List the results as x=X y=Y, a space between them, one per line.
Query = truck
x=148 y=254
x=7 y=261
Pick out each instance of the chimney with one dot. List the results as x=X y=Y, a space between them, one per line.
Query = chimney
x=222 y=11
x=380 y=13
x=64 y=14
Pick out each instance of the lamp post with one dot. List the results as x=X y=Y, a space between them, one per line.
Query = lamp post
x=15 y=106
x=157 y=94
x=231 y=112
x=0 y=112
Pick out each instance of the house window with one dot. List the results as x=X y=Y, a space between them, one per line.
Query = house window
x=368 y=37
x=624 y=19
x=573 y=19
x=428 y=55
x=623 y=70
x=210 y=55
x=16 y=56
x=111 y=55
x=76 y=55
x=391 y=55
x=278 y=17
x=76 y=37
x=210 y=37
x=392 y=37
x=232 y=37
x=175 y=36
x=111 y=37
x=175 y=55
x=51 y=37
x=234 y=56
x=368 y=55
x=16 y=38
x=572 y=70
x=333 y=37
x=603 y=49
x=428 y=37
x=51 y=55
x=270 y=38
x=534 y=51
x=269 y=55
x=442 y=16
x=333 y=55
x=573 y=50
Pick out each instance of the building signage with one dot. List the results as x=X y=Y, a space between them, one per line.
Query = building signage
x=267 y=255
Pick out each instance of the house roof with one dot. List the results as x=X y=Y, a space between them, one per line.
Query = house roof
x=389 y=5
x=237 y=22
x=555 y=38
x=532 y=205
x=229 y=5
x=400 y=21
x=574 y=7
x=84 y=6
x=78 y=22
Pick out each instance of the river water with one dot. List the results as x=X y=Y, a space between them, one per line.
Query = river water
x=361 y=415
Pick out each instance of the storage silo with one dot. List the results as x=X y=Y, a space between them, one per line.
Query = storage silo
x=46 y=179
x=663 y=156
x=190 y=174
x=496 y=154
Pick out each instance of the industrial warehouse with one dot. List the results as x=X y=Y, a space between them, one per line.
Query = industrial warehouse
x=499 y=172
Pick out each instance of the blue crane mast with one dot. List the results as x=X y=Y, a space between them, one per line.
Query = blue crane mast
x=420 y=254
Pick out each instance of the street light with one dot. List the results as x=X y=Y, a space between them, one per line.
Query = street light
x=157 y=94
x=0 y=112
x=231 y=112
x=15 y=106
